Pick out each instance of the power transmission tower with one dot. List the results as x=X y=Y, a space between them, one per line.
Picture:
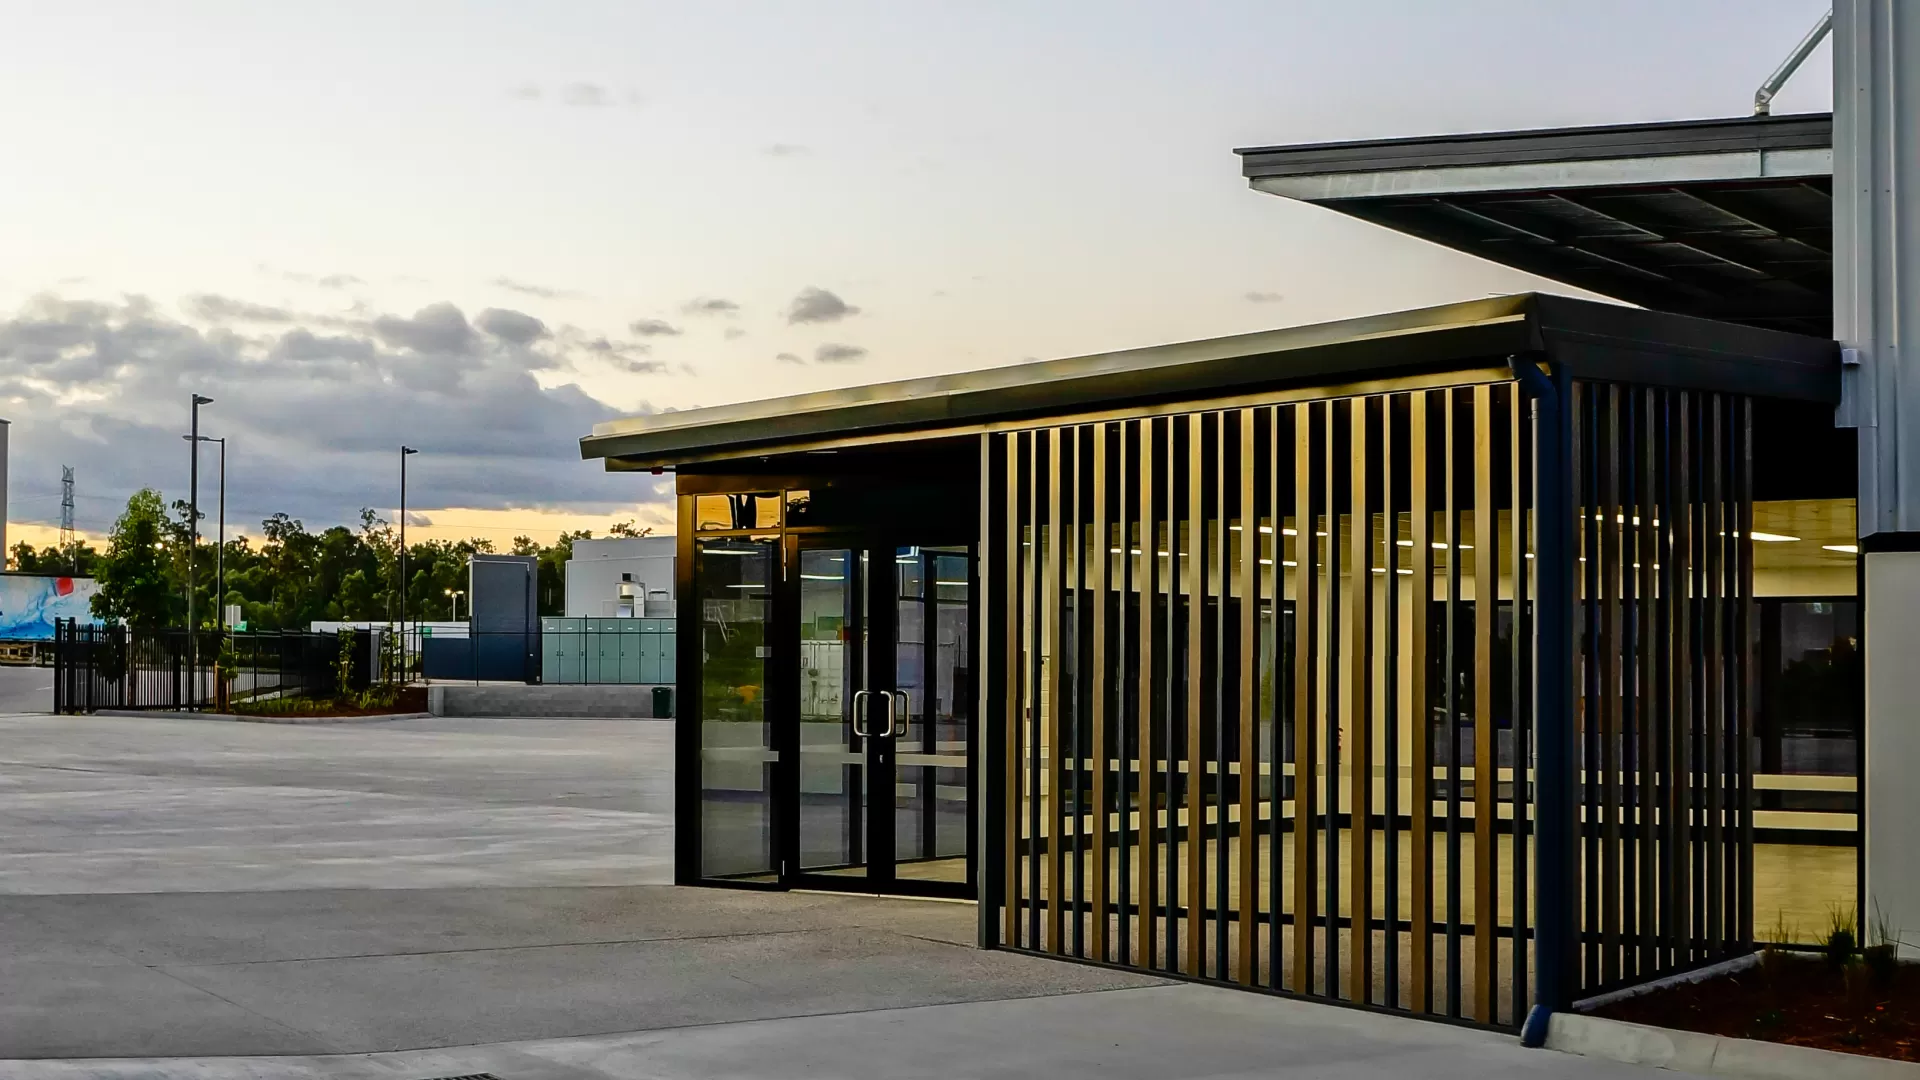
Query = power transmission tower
x=67 y=543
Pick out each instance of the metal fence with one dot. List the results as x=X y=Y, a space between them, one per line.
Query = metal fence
x=115 y=667
x=1317 y=697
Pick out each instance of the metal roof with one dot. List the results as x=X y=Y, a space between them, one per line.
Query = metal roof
x=1721 y=219
x=1594 y=340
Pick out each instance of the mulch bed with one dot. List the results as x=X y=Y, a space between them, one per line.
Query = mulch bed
x=412 y=699
x=1792 y=998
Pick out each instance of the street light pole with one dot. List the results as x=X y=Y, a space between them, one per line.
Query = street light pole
x=193 y=540
x=405 y=453
x=220 y=553
x=455 y=595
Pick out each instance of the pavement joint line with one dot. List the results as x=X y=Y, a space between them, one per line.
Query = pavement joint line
x=697 y=1025
x=356 y=792
x=508 y=948
x=281 y=1024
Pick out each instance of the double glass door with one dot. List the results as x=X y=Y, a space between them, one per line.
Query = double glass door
x=881 y=691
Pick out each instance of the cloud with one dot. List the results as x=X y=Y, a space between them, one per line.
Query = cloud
x=816 y=305
x=314 y=413
x=623 y=356
x=509 y=325
x=789 y=358
x=211 y=307
x=781 y=149
x=436 y=328
x=585 y=95
x=833 y=353
x=579 y=95
x=544 y=292
x=1264 y=297
x=325 y=281
x=733 y=332
x=653 y=328
x=710 y=305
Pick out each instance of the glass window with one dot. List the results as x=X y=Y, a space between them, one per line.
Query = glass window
x=733 y=578
x=712 y=513
x=1811 y=680
x=799 y=508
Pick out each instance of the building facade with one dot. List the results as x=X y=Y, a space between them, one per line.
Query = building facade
x=1467 y=661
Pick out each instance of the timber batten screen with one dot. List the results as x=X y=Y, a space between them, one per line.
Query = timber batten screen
x=1267 y=701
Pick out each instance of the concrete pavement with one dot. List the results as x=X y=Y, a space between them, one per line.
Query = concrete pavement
x=1174 y=1032
x=425 y=898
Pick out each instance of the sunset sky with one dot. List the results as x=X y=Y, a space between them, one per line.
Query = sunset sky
x=479 y=228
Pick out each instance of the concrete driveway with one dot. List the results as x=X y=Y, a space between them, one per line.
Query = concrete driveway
x=424 y=898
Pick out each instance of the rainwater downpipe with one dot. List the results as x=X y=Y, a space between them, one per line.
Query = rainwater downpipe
x=1556 y=924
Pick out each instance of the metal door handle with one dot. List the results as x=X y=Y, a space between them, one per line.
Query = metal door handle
x=860 y=713
x=904 y=714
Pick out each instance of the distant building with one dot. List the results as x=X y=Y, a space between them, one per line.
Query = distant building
x=621 y=578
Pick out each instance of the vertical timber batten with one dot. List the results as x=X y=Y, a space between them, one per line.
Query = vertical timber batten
x=1176 y=587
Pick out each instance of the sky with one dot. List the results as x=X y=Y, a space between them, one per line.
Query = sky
x=479 y=228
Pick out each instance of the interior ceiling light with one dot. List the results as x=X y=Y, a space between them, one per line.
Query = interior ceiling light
x=1844 y=549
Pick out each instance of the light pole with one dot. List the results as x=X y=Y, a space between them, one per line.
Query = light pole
x=220 y=551
x=455 y=595
x=193 y=539
x=405 y=453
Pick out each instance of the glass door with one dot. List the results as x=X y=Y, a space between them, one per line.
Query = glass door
x=832 y=713
x=882 y=707
x=933 y=735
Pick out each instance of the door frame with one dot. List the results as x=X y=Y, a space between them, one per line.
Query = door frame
x=878 y=672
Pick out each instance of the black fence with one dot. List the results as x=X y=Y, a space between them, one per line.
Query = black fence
x=114 y=667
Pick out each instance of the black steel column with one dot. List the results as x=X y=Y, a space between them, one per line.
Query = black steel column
x=1556 y=929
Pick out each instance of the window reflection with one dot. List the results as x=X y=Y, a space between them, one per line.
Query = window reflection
x=733 y=579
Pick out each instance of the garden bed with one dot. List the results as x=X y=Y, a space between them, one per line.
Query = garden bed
x=408 y=700
x=1798 y=998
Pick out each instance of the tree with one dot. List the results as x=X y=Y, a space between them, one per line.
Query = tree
x=136 y=586
x=79 y=560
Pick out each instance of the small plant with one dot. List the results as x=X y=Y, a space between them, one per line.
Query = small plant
x=343 y=666
x=1859 y=981
x=1841 y=942
x=1774 y=958
x=1882 y=956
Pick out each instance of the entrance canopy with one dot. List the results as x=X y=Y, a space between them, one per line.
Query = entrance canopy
x=1594 y=341
x=1723 y=219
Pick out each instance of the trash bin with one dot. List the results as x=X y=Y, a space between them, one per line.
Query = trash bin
x=663 y=702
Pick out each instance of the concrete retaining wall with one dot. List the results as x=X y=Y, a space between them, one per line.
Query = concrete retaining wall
x=516 y=699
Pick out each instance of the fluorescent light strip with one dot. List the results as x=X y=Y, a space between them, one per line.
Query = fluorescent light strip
x=1844 y=549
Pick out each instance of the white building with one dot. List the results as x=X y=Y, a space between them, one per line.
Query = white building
x=621 y=578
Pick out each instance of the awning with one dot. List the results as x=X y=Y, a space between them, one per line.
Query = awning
x=1593 y=340
x=1721 y=219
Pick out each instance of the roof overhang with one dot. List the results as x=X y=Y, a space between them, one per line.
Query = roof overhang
x=1593 y=340
x=1721 y=219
